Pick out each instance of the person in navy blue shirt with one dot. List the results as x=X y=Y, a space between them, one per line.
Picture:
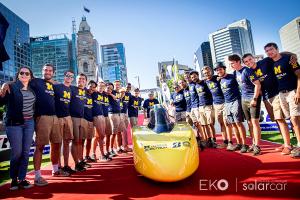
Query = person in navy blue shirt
x=205 y=120
x=184 y=86
x=178 y=101
x=288 y=79
x=148 y=103
x=233 y=107
x=114 y=116
x=235 y=63
x=62 y=106
x=218 y=100
x=89 y=112
x=134 y=105
x=80 y=124
x=99 y=113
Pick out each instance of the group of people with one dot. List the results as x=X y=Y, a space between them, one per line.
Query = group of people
x=87 y=116
x=233 y=98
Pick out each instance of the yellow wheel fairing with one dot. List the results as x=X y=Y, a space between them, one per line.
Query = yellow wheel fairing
x=165 y=157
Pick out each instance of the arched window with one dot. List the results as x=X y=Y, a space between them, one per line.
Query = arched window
x=85 y=67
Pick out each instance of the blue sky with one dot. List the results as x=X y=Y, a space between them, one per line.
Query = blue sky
x=156 y=30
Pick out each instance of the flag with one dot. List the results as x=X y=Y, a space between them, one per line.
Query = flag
x=86 y=9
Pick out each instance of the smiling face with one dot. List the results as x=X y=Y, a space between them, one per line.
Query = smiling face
x=271 y=51
x=207 y=73
x=182 y=84
x=194 y=77
x=81 y=81
x=220 y=71
x=24 y=75
x=68 y=79
x=48 y=72
x=235 y=65
x=249 y=61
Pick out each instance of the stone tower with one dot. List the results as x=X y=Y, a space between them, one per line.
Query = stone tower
x=86 y=56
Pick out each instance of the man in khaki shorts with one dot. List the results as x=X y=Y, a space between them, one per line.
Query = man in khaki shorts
x=89 y=117
x=206 y=112
x=62 y=106
x=133 y=107
x=218 y=100
x=99 y=123
x=108 y=129
x=114 y=116
x=80 y=125
x=288 y=77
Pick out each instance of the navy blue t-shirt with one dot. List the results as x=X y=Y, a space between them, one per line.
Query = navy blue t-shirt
x=148 y=104
x=194 y=95
x=77 y=102
x=245 y=78
x=88 y=107
x=105 y=105
x=205 y=97
x=179 y=101
x=133 y=106
x=230 y=88
x=114 y=105
x=62 y=100
x=265 y=74
x=187 y=97
x=45 y=102
x=284 y=71
x=97 y=103
x=215 y=88
x=125 y=101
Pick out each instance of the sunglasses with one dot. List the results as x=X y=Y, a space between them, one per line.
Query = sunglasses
x=69 y=76
x=26 y=73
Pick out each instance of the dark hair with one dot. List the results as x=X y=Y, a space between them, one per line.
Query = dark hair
x=70 y=71
x=109 y=83
x=49 y=65
x=234 y=57
x=271 y=44
x=246 y=55
x=136 y=90
x=82 y=74
x=24 y=67
x=92 y=82
x=194 y=72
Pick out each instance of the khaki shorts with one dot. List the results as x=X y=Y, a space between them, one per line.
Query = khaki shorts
x=47 y=129
x=206 y=115
x=107 y=126
x=90 y=131
x=99 y=123
x=66 y=127
x=288 y=105
x=123 y=121
x=195 y=114
x=220 y=112
x=115 y=123
x=133 y=121
x=80 y=127
x=188 y=118
x=180 y=116
x=273 y=108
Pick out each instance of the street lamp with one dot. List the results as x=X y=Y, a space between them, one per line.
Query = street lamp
x=138 y=79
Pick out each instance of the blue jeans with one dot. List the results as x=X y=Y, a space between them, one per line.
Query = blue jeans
x=20 y=139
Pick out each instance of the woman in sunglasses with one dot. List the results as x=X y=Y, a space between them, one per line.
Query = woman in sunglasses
x=19 y=123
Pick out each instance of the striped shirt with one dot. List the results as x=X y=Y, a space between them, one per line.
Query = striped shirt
x=28 y=102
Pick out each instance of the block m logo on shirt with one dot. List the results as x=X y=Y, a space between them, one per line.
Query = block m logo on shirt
x=67 y=95
x=89 y=101
x=49 y=86
x=223 y=85
x=151 y=103
x=135 y=103
x=81 y=92
x=277 y=70
x=211 y=85
x=258 y=73
x=100 y=98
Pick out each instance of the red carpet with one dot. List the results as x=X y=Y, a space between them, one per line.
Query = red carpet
x=119 y=180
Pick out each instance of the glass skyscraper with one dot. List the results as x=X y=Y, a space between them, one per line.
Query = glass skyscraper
x=236 y=38
x=113 y=65
x=53 y=49
x=16 y=44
